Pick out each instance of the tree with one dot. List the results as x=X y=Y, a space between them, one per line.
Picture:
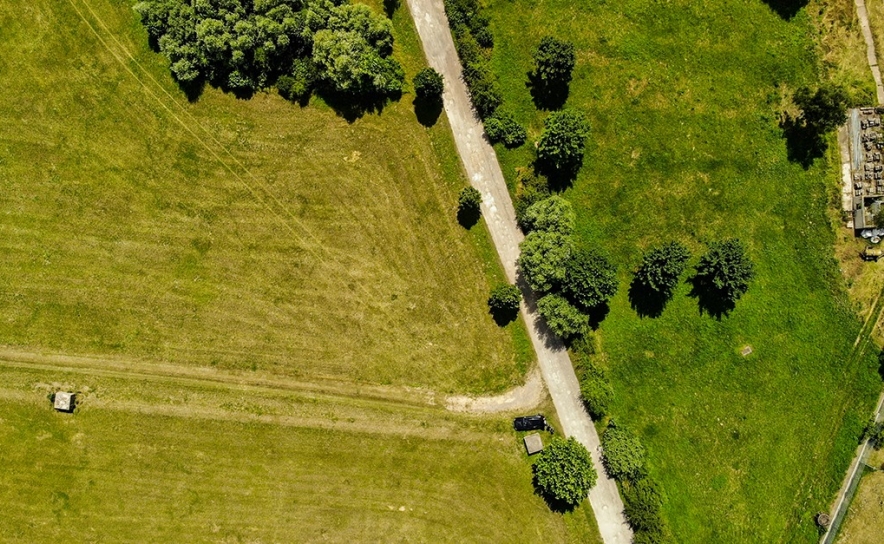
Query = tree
x=597 y=394
x=429 y=85
x=725 y=269
x=563 y=141
x=623 y=454
x=564 y=471
x=503 y=127
x=554 y=60
x=542 y=260
x=642 y=506
x=824 y=109
x=531 y=188
x=552 y=214
x=469 y=200
x=662 y=266
x=590 y=279
x=504 y=303
x=351 y=65
x=563 y=319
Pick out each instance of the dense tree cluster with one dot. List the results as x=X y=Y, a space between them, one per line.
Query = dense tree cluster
x=245 y=45
x=564 y=471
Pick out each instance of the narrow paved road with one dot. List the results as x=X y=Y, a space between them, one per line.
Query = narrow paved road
x=485 y=175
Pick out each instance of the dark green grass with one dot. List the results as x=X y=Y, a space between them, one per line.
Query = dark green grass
x=683 y=98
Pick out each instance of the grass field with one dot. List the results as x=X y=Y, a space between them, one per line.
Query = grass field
x=866 y=514
x=684 y=101
x=252 y=235
x=165 y=459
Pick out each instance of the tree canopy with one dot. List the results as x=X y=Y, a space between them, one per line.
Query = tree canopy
x=542 y=259
x=624 y=456
x=563 y=141
x=552 y=214
x=824 y=109
x=662 y=266
x=726 y=268
x=563 y=319
x=429 y=85
x=245 y=46
x=554 y=60
x=505 y=298
x=590 y=279
x=564 y=471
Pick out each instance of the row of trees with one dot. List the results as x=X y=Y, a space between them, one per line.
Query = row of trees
x=244 y=46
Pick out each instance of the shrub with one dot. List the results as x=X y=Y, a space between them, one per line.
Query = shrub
x=726 y=269
x=505 y=299
x=662 y=266
x=429 y=85
x=554 y=60
x=590 y=279
x=542 y=260
x=563 y=319
x=624 y=456
x=563 y=141
x=469 y=200
x=597 y=394
x=564 y=471
x=503 y=127
x=552 y=214
x=642 y=504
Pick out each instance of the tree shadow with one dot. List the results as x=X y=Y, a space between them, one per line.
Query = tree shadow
x=427 y=111
x=803 y=144
x=645 y=301
x=786 y=9
x=557 y=179
x=468 y=217
x=881 y=364
x=503 y=317
x=390 y=7
x=192 y=90
x=353 y=107
x=596 y=315
x=547 y=95
x=711 y=300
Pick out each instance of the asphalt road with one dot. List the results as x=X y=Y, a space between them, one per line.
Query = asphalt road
x=483 y=170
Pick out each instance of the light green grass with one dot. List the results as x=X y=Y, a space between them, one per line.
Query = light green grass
x=683 y=99
x=164 y=460
x=252 y=235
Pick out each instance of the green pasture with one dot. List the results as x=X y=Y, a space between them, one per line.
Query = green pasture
x=253 y=235
x=684 y=99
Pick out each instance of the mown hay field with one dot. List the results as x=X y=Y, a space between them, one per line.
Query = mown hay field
x=238 y=234
x=684 y=99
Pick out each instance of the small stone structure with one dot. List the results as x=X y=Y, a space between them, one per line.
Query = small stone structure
x=64 y=401
x=823 y=520
x=746 y=351
x=533 y=444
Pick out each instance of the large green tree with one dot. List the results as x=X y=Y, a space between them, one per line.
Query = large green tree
x=563 y=141
x=824 y=109
x=554 y=60
x=662 y=266
x=725 y=269
x=624 y=455
x=552 y=214
x=542 y=259
x=563 y=319
x=590 y=279
x=564 y=471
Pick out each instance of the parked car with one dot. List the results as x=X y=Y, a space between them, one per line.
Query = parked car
x=530 y=423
